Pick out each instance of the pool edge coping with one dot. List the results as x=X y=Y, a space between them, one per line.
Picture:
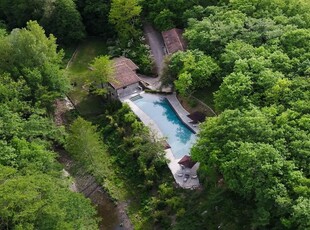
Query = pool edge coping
x=184 y=123
x=181 y=112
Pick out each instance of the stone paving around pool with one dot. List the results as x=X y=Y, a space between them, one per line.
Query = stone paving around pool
x=185 y=177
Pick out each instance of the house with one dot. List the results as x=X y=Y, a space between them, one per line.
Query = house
x=125 y=80
x=173 y=40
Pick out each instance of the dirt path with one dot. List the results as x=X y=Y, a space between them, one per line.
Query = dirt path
x=155 y=41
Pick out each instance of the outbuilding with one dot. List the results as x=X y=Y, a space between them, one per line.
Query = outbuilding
x=174 y=40
x=125 y=80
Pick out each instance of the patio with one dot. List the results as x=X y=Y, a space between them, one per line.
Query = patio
x=180 y=173
x=187 y=178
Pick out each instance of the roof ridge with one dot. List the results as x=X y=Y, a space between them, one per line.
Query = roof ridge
x=175 y=30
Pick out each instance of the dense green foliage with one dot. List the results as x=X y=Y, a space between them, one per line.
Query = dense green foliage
x=64 y=22
x=85 y=145
x=167 y=14
x=259 y=143
x=40 y=201
x=129 y=164
x=140 y=162
x=95 y=17
x=191 y=70
x=28 y=55
x=33 y=192
x=59 y=17
x=254 y=156
x=134 y=149
x=123 y=14
x=102 y=73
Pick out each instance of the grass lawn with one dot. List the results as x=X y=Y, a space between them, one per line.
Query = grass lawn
x=87 y=51
x=69 y=50
x=78 y=73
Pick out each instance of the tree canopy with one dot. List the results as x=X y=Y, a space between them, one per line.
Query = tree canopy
x=29 y=55
x=123 y=15
x=192 y=70
x=33 y=192
x=95 y=17
x=59 y=17
x=259 y=143
x=254 y=156
x=102 y=72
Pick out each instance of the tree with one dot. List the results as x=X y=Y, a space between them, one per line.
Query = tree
x=14 y=94
x=85 y=144
x=102 y=72
x=237 y=50
x=64 y=22
x=95 y=17
x=123 y=15
x=249 y=151
x=197 y=12
x=18 y=13
x=140 y=155
x=300 y=216
x=295 y=9
x=235 y=91
x=164 y=20
x=296 y=43
x=183 y=83
x=213 y=33
x=59 y=17
x=27 y=53
x=258 y=145
x=33 y=193
x=41 y=202
x=253 y=80
x=171 y=10
x=193 y=70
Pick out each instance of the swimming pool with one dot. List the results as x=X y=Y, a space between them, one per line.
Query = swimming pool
x=179 y=136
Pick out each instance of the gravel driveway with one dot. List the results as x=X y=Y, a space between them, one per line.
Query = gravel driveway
x=157 y=45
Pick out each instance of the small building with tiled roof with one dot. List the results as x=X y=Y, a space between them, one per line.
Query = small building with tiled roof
x=174 y=40
x=125 y=79
x=125 y=61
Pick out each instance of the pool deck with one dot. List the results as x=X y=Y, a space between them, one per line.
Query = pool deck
x=177 y=171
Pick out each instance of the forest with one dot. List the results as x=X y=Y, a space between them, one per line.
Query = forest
x=247 y=59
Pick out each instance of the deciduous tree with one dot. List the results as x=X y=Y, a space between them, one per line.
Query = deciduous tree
x=102 y=72
x=59 y=17
x=123 y=15
x=193 y=70
x=27 y=53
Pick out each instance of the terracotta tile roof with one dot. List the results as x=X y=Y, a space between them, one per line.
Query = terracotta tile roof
x=173 y=40
x=126 y=61
x=125 y=73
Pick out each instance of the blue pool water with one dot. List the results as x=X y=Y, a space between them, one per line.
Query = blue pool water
x=179 y=136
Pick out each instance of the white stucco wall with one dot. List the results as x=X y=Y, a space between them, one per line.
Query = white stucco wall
x=130 y=89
